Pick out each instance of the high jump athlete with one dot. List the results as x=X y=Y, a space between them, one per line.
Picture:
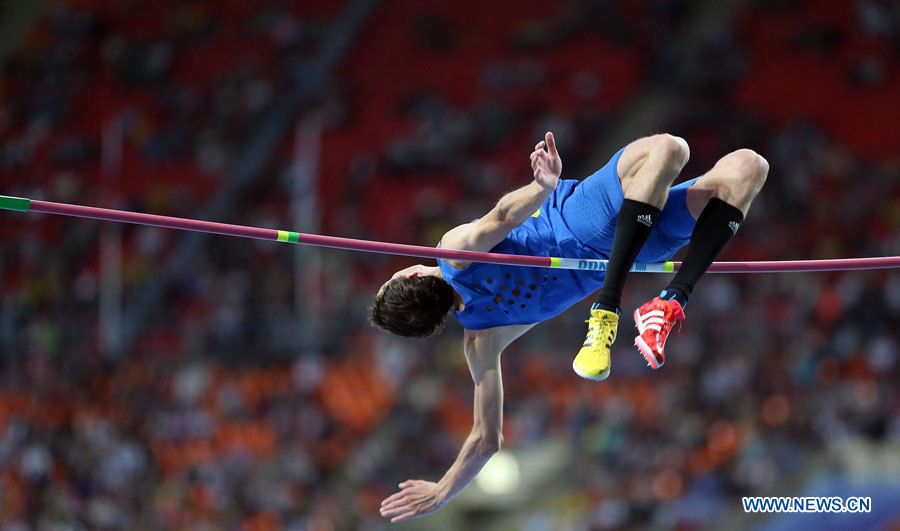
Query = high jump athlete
x=626 y=211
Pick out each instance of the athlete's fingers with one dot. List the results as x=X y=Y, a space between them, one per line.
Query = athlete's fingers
x=551 y=143
x=403 y=516
x=395 y=512
x=397 y=504
x=539 y=146
x=392 y=505
x=393 y=497
x=405 y=484
x=396 y=507
x=392 y=510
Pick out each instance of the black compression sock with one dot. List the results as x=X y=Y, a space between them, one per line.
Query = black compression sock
x=674 y=294
x=632 y=230
x=718 y=222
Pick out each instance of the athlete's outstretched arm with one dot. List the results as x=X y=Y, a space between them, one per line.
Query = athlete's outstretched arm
x=418 y=498
x=513 y=208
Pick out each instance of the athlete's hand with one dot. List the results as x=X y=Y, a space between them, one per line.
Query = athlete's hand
x=416 y=498
x=545 y=163
x=417 y=270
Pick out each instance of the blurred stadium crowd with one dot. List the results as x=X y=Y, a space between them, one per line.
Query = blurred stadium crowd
x=213 y=415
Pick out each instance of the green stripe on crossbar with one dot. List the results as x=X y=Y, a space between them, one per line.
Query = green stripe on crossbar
x=14 y=203
x=554 y=262
x=669 y=267
x=290 y=237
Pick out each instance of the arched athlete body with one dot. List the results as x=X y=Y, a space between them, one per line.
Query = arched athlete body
x=625 y=211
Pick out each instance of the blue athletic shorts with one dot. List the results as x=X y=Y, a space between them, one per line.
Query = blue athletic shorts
x=592 y=208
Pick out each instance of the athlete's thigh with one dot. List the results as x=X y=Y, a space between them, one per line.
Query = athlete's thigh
x=624 y=163
x=590 y=210
x=673 y=228
x=633 y=155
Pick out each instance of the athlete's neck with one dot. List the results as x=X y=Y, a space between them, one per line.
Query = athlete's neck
x=457 y=298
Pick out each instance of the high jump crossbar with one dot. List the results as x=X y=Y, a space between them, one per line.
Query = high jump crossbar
x=121 y=216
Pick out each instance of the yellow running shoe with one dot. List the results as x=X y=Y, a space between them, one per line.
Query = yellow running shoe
x=592 y=361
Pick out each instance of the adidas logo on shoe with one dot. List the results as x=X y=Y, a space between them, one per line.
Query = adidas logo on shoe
x=644 y=219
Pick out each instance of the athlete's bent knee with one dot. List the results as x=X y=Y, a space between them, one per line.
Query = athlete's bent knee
x=752 y=167
x=673 y=149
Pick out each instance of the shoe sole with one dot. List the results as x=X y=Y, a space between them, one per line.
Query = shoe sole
x=599 y=378
x=647 y=353
x=642 y=345
x=637 y=320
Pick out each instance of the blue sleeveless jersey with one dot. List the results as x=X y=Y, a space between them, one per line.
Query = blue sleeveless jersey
x=500 y=295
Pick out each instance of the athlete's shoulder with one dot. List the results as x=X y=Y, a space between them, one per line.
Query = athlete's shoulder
x=458 y=238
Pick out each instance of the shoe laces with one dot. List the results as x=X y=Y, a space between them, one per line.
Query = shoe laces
x=669 y=319
x=596 y=327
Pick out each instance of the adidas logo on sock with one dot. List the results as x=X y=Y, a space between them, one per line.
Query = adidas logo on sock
x=733 y=225
x=644 y=219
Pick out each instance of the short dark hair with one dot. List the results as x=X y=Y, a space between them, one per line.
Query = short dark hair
x=413 y=307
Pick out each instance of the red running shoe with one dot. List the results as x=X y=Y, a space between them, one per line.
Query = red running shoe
x=654 y=319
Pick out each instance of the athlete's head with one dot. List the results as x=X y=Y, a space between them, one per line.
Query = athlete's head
x=413 y=305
